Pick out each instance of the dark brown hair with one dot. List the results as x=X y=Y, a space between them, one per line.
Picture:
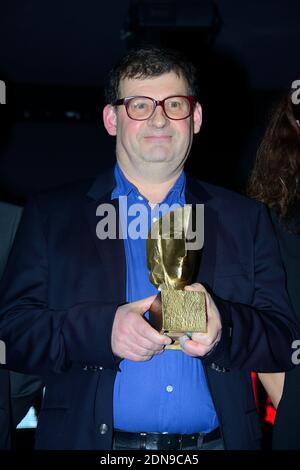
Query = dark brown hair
x=275 y=179
x=149 y=62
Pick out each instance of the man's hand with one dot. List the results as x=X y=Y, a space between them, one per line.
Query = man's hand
x=202 y=343
x=132 y=337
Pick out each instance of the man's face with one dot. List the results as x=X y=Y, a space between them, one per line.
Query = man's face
x=157 y=146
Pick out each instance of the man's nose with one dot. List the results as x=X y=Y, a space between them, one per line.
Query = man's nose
x=159 y=118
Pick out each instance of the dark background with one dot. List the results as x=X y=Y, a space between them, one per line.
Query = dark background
x=54 y=57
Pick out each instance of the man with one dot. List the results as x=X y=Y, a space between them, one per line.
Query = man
x=74 y=301
x=17 y=391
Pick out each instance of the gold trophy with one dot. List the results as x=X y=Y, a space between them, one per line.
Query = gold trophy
x=174 y=312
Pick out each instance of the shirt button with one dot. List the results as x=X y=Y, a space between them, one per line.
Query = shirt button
x=103 y=428
x=140 y=198
x=169 y=388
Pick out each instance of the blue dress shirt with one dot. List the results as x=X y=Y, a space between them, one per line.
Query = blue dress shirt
x=168 y=393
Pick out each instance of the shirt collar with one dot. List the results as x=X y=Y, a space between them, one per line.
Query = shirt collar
x=123 y=187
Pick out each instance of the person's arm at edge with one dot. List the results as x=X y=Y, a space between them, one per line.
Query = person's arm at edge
x=40 y=340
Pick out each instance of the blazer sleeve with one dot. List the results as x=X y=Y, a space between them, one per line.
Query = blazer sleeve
x=25 y=389
x=40 y=340
x=9 y=220
x=258 y=337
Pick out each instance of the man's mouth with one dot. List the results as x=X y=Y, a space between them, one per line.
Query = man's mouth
x=158 y=138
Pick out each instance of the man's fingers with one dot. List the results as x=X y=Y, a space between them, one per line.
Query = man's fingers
x=138 y=349
x=150 y=334
x=196 y=287
x=141 y=306
x=192 y=348
x=148 y=345
x=144 y=329
x=132 y=336
x=182 y=340
x=203 y=338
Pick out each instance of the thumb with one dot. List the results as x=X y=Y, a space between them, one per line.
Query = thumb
x=196 y=287
x=141 y=306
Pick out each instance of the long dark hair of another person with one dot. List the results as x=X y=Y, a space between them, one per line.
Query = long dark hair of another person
x=275 y=179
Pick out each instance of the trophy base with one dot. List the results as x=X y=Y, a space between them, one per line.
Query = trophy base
x=175 y=313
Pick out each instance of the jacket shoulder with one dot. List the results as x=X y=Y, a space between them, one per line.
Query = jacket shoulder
x=229 y=199
x=67 y=195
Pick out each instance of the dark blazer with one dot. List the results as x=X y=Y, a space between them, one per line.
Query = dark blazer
x=63 y=286
x=4 y=410
x=287 y=424
x=9 y=218
x=17 y=391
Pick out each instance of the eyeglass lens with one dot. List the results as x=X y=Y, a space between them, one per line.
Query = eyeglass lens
x=176 y=107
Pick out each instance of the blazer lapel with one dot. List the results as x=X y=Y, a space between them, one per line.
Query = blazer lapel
x=196 y=194
x=111 y=250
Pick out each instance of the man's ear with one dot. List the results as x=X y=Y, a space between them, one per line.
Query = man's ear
x=197 y=118
x=110 y=119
